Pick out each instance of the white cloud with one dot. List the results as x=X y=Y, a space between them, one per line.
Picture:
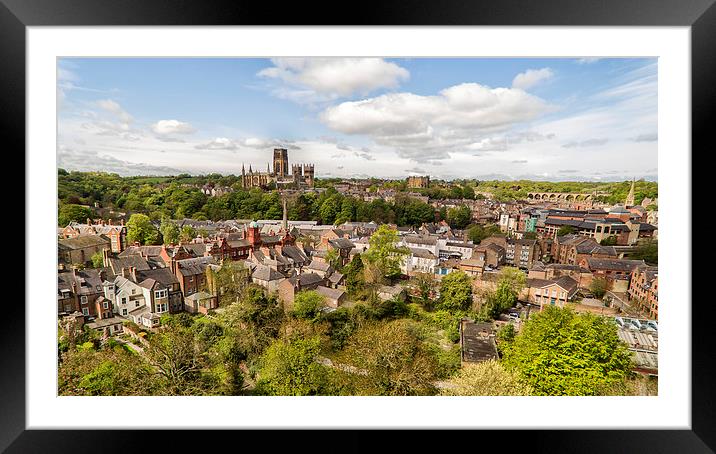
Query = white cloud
x=428 y=127
x=219 y=143
x=588 y=60
x=311 y=80
x=114 y=107
x=531 y=77
x=167 y=127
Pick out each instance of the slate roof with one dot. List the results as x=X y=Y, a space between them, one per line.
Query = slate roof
x=477 y=341
x=613 y=264
x=294 y=253
x=342 y=243
x=421 y=239
x=422 y=253
x=162 y=275
x=266 y=273
x=306 y=279
x=82 y=241
x=319 y=266
x=194 y=266
x=331 y=293
x=136 y=261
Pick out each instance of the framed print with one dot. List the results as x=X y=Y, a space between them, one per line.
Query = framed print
x=435 y=217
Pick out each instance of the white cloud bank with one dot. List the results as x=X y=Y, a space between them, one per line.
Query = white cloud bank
x=322 y=79
x=429 y=127
x=531 y=77
x=168 y=127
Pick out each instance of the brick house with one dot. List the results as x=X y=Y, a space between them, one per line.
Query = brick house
x=552 y=292
x=610 y=269
x=191 y=273
x=80 y=249
x=288 y=288
x=117 y=234
x=78 y=291
x=644 y=289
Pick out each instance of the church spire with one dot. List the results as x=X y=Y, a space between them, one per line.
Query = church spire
x=630 y=198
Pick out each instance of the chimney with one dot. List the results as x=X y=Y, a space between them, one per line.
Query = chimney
x=89 y=221
x=109 y=222
x=133 y=272
x=121 y=222
x=125 y=273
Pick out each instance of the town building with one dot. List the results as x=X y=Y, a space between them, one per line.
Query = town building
x=297 y=177
x=417 y=181
x=644 y=290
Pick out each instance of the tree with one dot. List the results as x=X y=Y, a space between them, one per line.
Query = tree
x=488 y=378
x=97 y=259
x=459 y=217
x=455 y=292
x=229 y=282
x=169 y=231
x=477 y=233
x=566 y=230
x=598 y=287
x=611 y=240
x=187 y=233
x=529 y=236
x=384 y=255
x=468 y=192
x=510 y=283
x=290 y=368
x=73 y=213
x=140 y=229
x=355 y=280
x=559 y=352
x=387 y=359
x=334 y=259
x=111 y=371
x=425 y=284
x=647 y=250
x=174 y=354
x=308 y=304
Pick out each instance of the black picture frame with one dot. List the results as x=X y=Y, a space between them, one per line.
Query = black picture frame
x=700 y=15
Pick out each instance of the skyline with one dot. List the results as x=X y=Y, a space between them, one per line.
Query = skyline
x=560 y=119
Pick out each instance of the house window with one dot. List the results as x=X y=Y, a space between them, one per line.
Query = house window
x=160 y=294
x=105 y=305
x=124 y=312
x=136 y=304
x=83 y=299
x=85 y=311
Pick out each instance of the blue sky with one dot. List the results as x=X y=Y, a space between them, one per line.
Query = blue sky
x=510 y=118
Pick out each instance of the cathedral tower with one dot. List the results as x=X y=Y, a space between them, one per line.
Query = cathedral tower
x=280 y=162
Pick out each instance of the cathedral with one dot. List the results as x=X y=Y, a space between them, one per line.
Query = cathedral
x=301 y=175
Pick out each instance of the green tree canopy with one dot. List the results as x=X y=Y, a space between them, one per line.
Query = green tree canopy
x=97 y=259
x=387 y=359
x=73 y=213
x=559 y=352
x=384 y=255
x=647 y=250
x=308 y=304
x=290 y=368
x=169 y=231
x=140 y=229
x=598 y=287
x=459 y=217
x=488 y=378
x=455 y=292
x=566 y=230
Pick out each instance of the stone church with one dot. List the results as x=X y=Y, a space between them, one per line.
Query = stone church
x=301 y=175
